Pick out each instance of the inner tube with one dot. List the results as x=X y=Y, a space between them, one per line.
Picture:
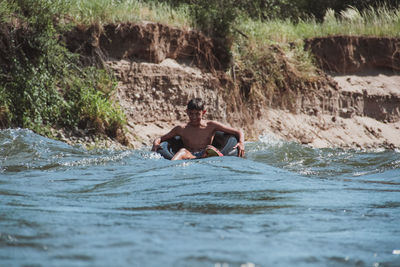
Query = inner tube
x=222 y=141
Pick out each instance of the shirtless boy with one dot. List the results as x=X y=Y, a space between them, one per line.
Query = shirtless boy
x=198 y=134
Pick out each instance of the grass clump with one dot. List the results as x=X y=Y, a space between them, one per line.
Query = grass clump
x=381 y=21
x=88 y=12
x=89 y=99
x=369 y=22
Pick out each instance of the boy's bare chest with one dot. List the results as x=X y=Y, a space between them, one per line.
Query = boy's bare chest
x=193 y=133
x=197 y=138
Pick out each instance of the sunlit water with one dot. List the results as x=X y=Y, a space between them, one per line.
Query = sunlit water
x=283 y=205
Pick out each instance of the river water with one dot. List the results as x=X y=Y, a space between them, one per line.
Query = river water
x=283 y=205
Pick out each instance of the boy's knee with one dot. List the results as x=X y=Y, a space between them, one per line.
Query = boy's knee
x=183 y=150
x=183 y=153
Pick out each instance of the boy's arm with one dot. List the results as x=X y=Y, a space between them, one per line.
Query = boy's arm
x=238 y=133
x=159 y=140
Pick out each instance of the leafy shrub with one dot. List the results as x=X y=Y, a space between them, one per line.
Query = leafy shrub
x=215 y=18
x=43 y=85
x=89 y=105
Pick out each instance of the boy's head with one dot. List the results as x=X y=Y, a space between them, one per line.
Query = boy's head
x=195 y=111
x=195 y=104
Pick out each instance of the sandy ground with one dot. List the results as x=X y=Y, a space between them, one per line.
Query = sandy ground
x=317 y=131
x=145 y=134
x=329 y=131
x=333 y=131
x=374 y=83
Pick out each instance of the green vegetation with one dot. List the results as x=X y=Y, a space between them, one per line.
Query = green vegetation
x=109 y=11
x=44 y=86
x=370 y=22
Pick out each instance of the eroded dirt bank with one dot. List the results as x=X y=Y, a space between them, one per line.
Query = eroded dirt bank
x=160 y=68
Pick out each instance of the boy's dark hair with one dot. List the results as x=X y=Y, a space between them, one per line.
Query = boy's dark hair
x=195 y=104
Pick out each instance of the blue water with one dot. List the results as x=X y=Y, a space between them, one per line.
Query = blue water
x=283 y=205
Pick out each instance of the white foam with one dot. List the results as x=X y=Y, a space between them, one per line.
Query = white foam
x=271 y=139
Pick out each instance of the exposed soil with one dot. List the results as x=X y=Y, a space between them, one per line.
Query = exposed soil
x=355 y=102
x=147 y=42
x=354 y=55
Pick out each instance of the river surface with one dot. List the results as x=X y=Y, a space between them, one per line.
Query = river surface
x=283 y=205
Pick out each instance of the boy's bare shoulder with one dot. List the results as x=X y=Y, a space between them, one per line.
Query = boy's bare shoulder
x=213 y=123
x=178 y=127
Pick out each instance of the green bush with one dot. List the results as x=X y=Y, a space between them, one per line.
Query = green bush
x=215 y=18
x=44 y=85
x=89 y=104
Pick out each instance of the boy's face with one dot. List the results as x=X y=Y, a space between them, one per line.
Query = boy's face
x=195 y=116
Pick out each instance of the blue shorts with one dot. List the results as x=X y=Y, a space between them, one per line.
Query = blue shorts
x=198 y=154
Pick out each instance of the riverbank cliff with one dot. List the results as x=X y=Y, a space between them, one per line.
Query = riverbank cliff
x=351 y=101
x=355 y=103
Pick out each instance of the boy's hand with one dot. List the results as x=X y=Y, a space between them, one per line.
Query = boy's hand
x=240 y=147
x=156 y=144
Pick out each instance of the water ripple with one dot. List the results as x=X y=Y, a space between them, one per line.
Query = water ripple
x=285 y=204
